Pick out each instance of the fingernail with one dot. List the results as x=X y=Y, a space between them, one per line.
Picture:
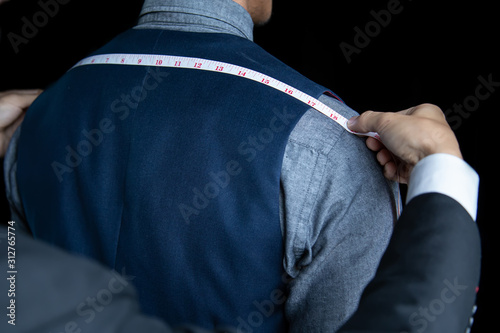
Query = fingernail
x=352 y=121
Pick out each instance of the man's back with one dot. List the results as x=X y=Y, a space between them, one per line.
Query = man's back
x=175 y=175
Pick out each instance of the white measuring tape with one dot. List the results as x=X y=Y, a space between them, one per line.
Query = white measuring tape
x=219 y=67
x=226 y=68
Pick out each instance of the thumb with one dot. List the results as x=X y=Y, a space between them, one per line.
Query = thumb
x=368 y=121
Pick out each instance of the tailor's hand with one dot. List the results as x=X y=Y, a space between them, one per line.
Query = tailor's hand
x=407 y=137
x=13 y=106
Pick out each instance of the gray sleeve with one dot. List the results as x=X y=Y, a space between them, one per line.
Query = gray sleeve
x=11 y=188
x=337 y=213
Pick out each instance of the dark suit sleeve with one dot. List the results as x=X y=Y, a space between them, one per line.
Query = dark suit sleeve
x=53 y=291
x=427 y=278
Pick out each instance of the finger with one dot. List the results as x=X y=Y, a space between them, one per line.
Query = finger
x=21 y=92
x=368 y=121
x=374 y=144
x=11 y=128
x=19 y=99
x=390 y=171
x=384 y=157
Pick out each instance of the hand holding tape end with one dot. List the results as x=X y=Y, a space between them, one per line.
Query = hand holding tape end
x=406 y=137
x=374 y=135
x=13 y=106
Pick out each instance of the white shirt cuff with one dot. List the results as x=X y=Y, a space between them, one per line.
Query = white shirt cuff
x=448 y=175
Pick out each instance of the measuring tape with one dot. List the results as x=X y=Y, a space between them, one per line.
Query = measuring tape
x=158 y=60
x=219 y=67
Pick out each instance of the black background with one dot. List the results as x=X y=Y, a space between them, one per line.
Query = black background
x=428 y=52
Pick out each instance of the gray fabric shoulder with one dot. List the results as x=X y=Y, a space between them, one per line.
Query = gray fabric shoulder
x=317 y=131
x=305 y=165
x=337 y=214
